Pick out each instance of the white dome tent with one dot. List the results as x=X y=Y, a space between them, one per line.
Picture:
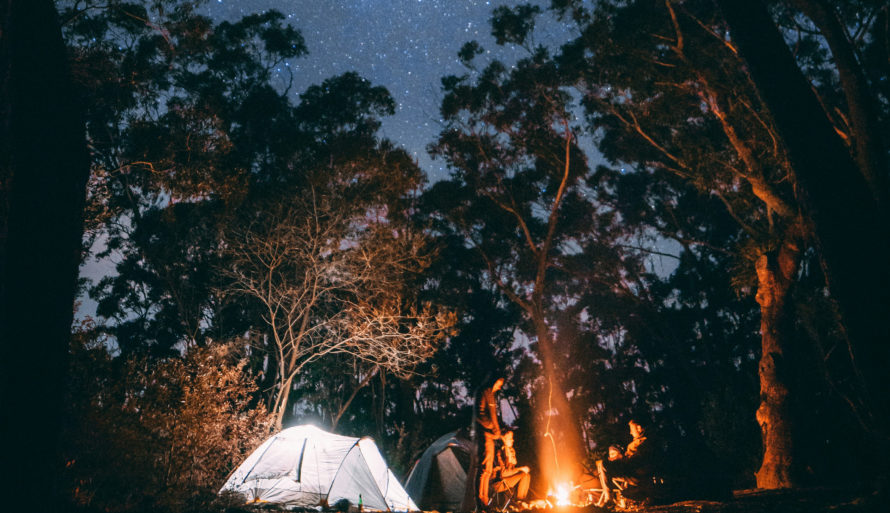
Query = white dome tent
x=305 y=466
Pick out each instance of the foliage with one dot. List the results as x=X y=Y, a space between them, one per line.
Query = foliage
x=628 y=341
x=199 y=168
x=157 y=436
x=556 y=266
x=233 y=209
x=327 y=273
x=180 y=111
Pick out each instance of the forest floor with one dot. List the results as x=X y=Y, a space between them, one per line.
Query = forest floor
x=808 y=500
x=821 y=500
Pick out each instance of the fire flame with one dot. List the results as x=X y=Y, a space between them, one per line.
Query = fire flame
x=561 y=494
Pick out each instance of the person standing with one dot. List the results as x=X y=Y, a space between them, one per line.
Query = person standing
x=489 y=431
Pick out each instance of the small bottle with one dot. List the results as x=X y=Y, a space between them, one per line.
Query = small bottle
x=360 y=506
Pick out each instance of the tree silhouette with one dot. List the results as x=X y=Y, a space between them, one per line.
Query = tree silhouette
x=42 y=184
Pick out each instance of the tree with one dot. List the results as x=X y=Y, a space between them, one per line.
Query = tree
x=869 y=148
x=842 y=191
x=199 y=149
x=518 y=200
x=680 y=101
x=699 y=114
x=326 y=277
x=693 y=333
x=186 y=109
x=43 y=172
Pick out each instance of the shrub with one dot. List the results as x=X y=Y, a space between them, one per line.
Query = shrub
x=158 y=435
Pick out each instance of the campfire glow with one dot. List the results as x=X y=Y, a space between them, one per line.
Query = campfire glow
x=558 y=448
x=562 y=495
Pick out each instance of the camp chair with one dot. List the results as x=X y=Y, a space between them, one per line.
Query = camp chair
x=500 y=495
x=504 y=490
x=605 y=490
x=618 y=489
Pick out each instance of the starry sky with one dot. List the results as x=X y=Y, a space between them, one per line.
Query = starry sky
x=406 y=46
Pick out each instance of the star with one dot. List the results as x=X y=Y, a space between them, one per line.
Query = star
x=406 y=46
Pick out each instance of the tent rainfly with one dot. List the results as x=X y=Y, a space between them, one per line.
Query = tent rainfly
x=438 y=480
x=304 y=466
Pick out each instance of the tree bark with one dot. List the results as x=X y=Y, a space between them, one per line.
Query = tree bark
x=851 y=235
x=775 y=275
x=44 y=166
x=281 y=399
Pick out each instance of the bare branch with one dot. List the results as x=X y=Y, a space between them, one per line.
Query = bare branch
x=330 y=280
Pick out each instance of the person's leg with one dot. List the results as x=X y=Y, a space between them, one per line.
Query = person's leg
x=480 y=469
x=525 y=480
x=486 y=466
x=511 y=483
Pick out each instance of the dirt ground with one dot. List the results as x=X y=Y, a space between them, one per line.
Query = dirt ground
x=821 y=500
x=810 y=500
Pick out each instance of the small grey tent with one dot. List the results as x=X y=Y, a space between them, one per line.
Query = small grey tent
x=304 y=466
x=438 y=480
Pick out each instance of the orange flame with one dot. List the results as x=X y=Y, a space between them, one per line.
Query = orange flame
x=562 y=495
x=557 y=458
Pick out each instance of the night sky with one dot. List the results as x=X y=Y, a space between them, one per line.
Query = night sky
x=406 y=46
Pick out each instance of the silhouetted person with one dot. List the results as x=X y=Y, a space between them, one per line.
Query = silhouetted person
x=638 y=471
x=489 y=431
x=637 y=462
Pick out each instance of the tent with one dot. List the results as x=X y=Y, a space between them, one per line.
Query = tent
x=305 y=466
x=438 y=480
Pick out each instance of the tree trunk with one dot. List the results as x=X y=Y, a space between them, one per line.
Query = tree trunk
x=561 y=450
x=335 y=419
x=281 y=400
x=852 y=236
x=775 y=274
x=44 y=166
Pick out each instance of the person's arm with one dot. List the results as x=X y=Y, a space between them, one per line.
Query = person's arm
x=633 y=448
x=483 y=412
x=488 y=413
x=493 y=413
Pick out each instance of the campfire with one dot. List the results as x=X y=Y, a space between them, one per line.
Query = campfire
x=562 y=495
x=569 y=486
x=570 y=494
x=560 y=454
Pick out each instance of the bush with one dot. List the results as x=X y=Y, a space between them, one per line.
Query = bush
x=158 y=435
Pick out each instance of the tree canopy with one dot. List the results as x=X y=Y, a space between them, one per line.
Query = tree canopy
x=668 y=216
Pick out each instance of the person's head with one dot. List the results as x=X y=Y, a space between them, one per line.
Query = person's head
x=614 y=452
x=636 y=429
x=493 y=381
